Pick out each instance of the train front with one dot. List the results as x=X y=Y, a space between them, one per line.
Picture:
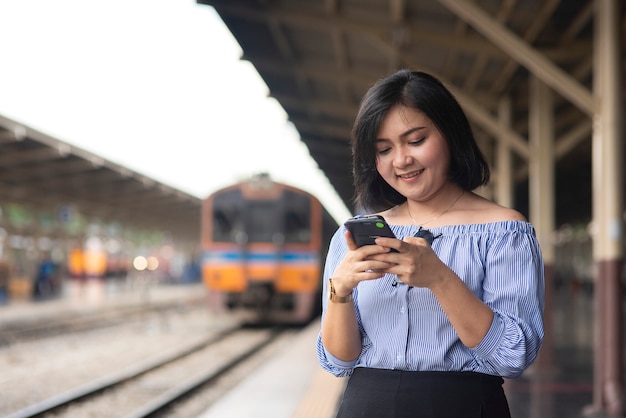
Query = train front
x=262 y=252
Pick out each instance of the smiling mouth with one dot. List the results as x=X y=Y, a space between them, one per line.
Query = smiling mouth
x=411 y=174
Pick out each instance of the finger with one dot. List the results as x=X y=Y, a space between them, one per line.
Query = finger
x=371 y=275
x=350 y=241
x=376 y=265
x=391 y=243
x=366 y=250
x=415 y=240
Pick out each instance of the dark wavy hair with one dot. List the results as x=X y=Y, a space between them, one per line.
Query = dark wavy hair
x=425 y=93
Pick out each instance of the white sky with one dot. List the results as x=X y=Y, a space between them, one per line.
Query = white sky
x=153 y=85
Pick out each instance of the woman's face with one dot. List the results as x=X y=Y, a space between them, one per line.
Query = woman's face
x=412 y=155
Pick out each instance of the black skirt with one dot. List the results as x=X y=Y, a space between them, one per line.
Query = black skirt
x=380 y=393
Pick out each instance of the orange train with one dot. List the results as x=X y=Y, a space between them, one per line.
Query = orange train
x=263 y=248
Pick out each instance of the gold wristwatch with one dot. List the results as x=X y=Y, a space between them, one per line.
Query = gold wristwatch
x=334 y=297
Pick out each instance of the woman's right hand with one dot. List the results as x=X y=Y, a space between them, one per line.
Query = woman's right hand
x=356 y=266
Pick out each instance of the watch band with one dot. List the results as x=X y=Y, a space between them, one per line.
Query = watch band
x=336 y=298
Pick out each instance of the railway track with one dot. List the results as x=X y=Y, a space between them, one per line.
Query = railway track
x=150 y=388
x=34 y=329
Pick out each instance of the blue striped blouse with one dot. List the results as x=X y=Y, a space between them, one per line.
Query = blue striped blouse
x=404 y=328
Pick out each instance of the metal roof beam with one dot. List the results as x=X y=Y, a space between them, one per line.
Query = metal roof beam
x=523 y=53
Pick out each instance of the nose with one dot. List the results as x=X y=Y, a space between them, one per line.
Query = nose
x=402 y=158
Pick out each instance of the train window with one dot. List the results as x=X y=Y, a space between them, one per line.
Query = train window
x=283 y=221
x=262 y=221
x=227 y=225
x=228 y=222
x=297 y=218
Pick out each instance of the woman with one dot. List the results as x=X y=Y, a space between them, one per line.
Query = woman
x=428 y=330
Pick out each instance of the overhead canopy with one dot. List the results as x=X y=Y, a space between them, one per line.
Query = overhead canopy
x=43 y=172
x=319 y=57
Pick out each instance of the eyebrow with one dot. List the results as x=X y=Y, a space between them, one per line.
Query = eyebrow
x=405 y=134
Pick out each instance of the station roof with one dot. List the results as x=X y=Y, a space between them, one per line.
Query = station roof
x=44 y=172
x=319 y=57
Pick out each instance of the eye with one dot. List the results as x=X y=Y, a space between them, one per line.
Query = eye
x=417 y=141
x=383 y=150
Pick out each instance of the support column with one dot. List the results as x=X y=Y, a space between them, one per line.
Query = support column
x=542 y=210
x=504 y=182
x=608 y=208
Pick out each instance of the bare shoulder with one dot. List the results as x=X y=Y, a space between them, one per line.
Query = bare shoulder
x=482 y=210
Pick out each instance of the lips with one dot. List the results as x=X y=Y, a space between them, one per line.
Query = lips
x=410 y=175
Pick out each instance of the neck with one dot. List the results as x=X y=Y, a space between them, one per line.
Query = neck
x=435 y=214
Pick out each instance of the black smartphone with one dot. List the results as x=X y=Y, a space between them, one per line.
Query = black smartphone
x=365 y=229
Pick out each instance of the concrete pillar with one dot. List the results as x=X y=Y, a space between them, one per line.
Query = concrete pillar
x=504 y=182
x=608 y=208
x=541 y=212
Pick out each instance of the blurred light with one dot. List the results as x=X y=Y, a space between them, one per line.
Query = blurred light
x=93 y=243
x=140 y=263
x=153 y=263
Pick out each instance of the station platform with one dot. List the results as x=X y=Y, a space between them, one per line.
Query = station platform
x=290 y=385
x=95 y=294
x=293 y=385
x=558 y=385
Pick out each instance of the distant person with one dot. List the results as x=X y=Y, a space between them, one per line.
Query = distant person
x=5 y=275
x=44 y=286
x=192 y=272
x=428 y=331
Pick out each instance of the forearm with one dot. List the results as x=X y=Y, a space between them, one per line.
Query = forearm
x=340 y=331
x=470 y=317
